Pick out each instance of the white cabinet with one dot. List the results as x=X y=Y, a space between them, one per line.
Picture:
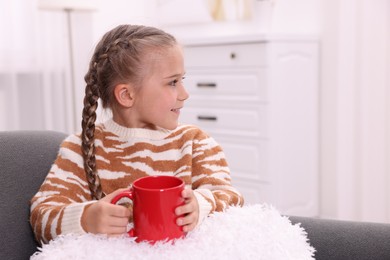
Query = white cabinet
x=258 y=97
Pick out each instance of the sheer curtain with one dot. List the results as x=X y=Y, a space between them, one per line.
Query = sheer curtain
x=34 y=68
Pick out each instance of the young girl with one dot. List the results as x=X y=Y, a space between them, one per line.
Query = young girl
x=137 y=72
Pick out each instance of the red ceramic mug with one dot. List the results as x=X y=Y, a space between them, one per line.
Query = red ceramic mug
x=155 y=199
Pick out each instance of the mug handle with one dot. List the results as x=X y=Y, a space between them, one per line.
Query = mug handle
x=127 y=194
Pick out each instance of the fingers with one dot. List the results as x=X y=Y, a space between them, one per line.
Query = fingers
x=113 y=220
x=118 y=211
x=188 y=222
x=186 y=208
x=105 y=218
x=113 y=230
x=189 y=212
x=118 y=222
x=191 y=204
x=187 y=194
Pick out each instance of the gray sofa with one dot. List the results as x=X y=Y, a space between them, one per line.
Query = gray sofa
x=25 y=159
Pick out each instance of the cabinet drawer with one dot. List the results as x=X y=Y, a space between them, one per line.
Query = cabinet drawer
x=225 y=86
x=227 y=121
x=225 y=55
x=246 y=159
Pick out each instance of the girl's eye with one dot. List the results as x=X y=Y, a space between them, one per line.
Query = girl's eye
x=174 y=82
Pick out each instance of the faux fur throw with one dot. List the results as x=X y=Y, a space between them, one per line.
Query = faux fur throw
x=251 y=232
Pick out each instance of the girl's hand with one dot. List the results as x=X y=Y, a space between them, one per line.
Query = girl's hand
x=102 y=217
x=190 y=211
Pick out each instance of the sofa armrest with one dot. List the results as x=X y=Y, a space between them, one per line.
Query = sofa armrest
x=25 y=160
x=336 y=239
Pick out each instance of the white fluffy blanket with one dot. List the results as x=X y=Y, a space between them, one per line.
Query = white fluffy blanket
x=251 y=232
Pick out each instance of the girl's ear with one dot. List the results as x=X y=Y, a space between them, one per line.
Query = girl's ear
x=124 y=95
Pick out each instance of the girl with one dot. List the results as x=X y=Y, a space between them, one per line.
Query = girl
x=137 y=72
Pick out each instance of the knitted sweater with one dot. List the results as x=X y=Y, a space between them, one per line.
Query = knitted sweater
x=122 y=156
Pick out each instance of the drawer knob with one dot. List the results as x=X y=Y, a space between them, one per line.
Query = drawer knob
x=206 y=85
x=233 y=55
x=207 y=118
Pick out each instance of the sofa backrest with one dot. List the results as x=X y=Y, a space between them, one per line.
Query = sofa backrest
x=25 y=160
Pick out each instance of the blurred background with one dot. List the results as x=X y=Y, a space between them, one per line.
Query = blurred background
x=45 y=48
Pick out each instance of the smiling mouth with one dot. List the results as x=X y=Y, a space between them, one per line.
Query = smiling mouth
x=176 y=110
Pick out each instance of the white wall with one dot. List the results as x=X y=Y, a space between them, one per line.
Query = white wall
x=115 y=12
x=355 y=110
x=297 y=16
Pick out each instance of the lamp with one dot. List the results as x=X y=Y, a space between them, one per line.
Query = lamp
x=68 y=6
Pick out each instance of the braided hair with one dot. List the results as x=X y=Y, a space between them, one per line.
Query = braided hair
x=117 y=59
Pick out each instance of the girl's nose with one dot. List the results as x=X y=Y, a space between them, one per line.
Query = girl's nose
x=183 y=94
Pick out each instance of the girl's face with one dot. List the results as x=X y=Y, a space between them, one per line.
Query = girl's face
x=161 y=96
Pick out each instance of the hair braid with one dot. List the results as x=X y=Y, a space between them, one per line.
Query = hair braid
x=88 y=133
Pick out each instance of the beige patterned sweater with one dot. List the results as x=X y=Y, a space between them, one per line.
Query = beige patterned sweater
x=122 y=156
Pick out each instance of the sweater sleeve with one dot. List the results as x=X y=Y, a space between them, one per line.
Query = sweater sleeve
x=211 y=177
x=58 y=205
